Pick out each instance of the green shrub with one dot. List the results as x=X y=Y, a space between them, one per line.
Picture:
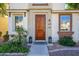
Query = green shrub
x=4 y=48
x=18 y=49
x=66 y=41
x=21 y=36
x=17 y=44
x=13 y=47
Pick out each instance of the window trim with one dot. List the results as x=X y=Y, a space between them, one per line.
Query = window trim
x=67 y=33
x=13 y=17
x=70 y=22
x=15 y=20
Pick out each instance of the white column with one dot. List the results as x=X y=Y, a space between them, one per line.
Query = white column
x=25 y=21
x=75 y=27
x=10 y=26
x=55 y=27
x=10 y=23
x=48 y=27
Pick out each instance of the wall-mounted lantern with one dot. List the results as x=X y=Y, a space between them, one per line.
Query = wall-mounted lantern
x=49 y=39
x=30 y=39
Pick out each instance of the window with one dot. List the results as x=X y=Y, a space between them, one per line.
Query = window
x=18 y=21
x=65 y=23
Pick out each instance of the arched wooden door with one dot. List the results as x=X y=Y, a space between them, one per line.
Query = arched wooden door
x=40 y=27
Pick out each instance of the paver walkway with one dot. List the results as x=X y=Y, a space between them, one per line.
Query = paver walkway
x=38 y=50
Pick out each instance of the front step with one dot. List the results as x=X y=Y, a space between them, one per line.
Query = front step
x=39 y=42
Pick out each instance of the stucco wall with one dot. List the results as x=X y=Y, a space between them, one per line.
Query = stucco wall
x=53 y=6
x=18 y=6
x=31 y=27
x=75 y=26
x=3 y=24
x=58 y=6
x=55 y=27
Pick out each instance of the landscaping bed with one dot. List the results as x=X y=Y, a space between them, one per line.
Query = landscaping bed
x=13 y=48
x=66 y=41
x=16 y=46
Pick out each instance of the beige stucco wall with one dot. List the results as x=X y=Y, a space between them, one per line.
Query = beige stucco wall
x=18 y=5
x=58 y=6
x=3 y=24
x=53 y=6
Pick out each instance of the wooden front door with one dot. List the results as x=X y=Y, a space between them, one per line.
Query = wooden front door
x=40 y=27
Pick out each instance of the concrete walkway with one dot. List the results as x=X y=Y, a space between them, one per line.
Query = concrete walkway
x=38 y=50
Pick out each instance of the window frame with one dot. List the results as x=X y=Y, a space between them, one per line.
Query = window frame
x=70 y=22
x=15 y=20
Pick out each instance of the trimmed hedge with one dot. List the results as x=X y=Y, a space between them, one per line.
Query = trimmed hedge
x=66 y=41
